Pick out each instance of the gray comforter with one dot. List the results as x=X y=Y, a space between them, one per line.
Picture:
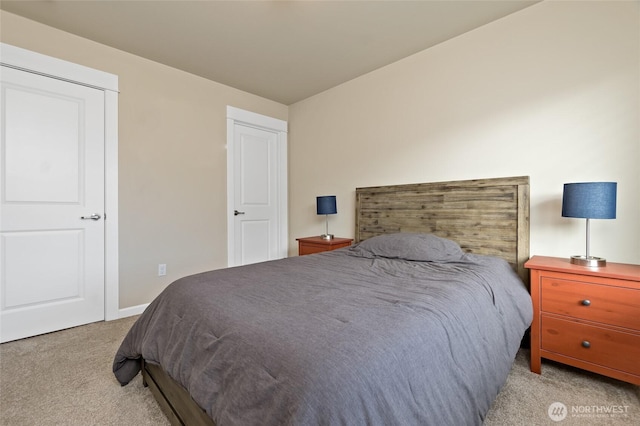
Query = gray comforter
x=339 y=338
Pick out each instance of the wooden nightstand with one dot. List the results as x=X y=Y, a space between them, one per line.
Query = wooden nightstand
x=310 y=245
x=586 y=317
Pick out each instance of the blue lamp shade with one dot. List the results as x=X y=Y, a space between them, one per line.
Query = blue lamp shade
x=591 y=200
x=326 y=204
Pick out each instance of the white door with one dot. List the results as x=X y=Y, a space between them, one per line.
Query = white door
x=51 y=205
x=257 y=188
x=256 y=195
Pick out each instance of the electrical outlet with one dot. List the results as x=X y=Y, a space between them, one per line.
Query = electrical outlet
x=162 y=269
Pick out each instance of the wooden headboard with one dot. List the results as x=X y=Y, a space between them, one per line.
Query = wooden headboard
x=484 y=216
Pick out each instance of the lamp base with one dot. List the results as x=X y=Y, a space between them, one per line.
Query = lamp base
x=594 y=262
x=327 y=236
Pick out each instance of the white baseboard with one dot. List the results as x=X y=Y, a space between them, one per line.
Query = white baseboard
x=132 y=310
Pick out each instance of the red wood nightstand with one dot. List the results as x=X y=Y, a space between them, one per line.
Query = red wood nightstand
x=586 y=317
x=310 y=245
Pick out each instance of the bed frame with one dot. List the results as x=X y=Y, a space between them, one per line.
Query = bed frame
x=485 y=216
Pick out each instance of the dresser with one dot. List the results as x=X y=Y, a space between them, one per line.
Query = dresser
x=586 y=317
x=309 y=245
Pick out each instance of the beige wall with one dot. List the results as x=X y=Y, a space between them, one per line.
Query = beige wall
x=551 y=92
x=172 y=157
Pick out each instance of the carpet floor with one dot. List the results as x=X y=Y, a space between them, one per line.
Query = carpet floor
x=65 y=378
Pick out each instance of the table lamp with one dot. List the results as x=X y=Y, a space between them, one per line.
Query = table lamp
x=326 y=205
x=589 y=200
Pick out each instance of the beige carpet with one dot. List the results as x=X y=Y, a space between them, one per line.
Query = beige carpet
x=65 y=378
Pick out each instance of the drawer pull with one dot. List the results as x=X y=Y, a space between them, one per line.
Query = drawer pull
x=586 y=302
x=586 y=344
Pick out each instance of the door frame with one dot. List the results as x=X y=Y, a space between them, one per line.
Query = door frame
x=26 y=60
x=252 y=119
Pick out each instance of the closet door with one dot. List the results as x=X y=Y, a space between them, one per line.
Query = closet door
x=51 y=204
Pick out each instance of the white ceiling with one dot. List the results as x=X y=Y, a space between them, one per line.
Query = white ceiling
x=282 y=50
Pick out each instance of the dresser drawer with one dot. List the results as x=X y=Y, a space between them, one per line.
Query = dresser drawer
x=611 y=348
x=595 y=302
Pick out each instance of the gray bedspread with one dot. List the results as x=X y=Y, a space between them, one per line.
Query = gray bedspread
x=337 y=338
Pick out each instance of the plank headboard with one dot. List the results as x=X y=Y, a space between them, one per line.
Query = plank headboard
x=484 y=216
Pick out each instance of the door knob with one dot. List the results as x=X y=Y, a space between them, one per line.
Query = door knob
x=236 y=212
x=94 y=216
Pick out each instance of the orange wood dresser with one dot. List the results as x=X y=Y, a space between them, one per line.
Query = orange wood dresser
x=586 y=317
x=311 y=245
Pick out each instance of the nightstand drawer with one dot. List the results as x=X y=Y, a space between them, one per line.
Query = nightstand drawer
x=310 y=245
x=594 y=302
x=311 y=248
x=606 y=347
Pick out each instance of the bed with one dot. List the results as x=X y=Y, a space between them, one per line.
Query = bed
x=417 y=323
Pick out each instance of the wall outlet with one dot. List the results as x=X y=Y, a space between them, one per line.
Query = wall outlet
x=162 y=269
